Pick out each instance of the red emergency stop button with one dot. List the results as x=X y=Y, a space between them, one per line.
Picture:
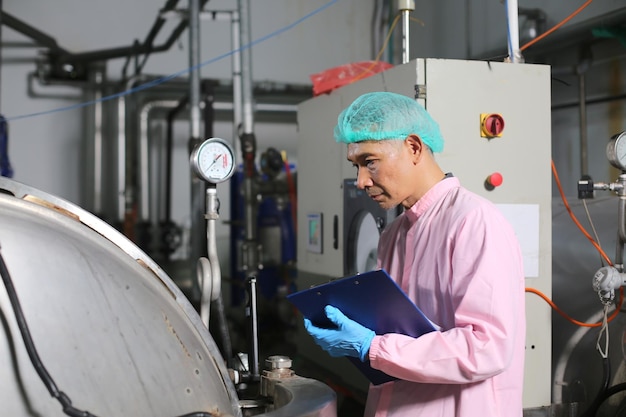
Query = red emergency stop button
x=491 y=125
x=494 y=180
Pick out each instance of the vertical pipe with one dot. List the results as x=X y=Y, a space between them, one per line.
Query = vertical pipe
x=405 y=7
x=405 y=36
x=121 y=159
x=125 y=163
x=246 y=66
x=194 y=61
x=582 y=112
x=236 y=63
x=98 y=176
x=515 y=54
x=146 y=209
x=468 y=30
x=198 y=187
x=248 y=147
x=1 y=54
x=253 y=330
x=621 y=234
x=251 y=247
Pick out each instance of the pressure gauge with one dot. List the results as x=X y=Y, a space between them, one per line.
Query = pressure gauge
x=213 y=160
x=616 y=151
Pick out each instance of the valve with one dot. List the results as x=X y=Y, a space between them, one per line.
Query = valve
x=605 y=281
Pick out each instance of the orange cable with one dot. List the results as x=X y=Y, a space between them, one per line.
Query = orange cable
x=382 y=49
x=555 y=27
x=380 y=53
x=569 y=210
x=579 y=323
x=582 y=229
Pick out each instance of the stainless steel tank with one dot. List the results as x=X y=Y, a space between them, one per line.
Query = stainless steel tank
x=113 y=331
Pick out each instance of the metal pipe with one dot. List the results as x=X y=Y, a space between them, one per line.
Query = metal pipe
x=405 y=7
x=598 y=100
x=246 y=66
x=250 y=247
x=515 y=54
x=198 y=187
x=211 y=279
x=236 y=64
x=154 y=31
x=584 y=63
x=253 y=330
x=25 y=29
x=144 y=155
x=98 y=152
x=621 y=233
x=194 y=61
x=121 y=159
x=64 y=56
x=582 y=113
x=621 y=224
x=1 y=61
x=171 y=115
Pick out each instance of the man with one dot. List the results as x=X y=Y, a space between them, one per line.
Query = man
x=454 y=255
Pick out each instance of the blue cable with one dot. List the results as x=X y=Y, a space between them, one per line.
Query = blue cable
x=5 y=164
x=162 y=80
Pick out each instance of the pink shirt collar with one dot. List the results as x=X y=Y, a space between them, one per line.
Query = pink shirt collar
x=435 y=193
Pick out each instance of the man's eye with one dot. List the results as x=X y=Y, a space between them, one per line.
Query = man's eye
x=370 y=163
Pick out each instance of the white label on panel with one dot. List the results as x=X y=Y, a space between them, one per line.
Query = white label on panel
x=525 y=220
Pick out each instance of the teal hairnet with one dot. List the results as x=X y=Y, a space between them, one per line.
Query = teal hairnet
x=384 y=115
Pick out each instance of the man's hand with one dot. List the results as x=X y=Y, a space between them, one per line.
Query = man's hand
x=348 y=339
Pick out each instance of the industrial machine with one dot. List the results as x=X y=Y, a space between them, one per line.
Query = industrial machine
x=495 y=120
x=589 y=369
x=92 y=326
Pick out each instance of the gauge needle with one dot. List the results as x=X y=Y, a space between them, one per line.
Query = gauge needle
x=215 y=160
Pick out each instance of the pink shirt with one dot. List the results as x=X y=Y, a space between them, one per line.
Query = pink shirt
x=459 y=260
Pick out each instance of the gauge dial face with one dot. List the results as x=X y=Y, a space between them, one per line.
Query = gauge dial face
x=213 y=160
x=616 y=151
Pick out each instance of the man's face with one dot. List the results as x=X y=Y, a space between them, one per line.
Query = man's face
x=384 y=171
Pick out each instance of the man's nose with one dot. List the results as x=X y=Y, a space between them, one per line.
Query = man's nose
x=363 y=179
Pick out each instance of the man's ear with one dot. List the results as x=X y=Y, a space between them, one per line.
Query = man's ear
x=415 y=144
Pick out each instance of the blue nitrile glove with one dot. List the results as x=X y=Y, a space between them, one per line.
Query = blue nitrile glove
x=348 y=339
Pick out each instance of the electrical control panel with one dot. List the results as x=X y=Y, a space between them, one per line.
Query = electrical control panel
x=496 y=122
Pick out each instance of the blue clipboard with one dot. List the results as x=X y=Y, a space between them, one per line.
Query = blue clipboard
x=372 y=299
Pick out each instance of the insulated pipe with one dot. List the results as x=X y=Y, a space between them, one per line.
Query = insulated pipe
x=515 y=54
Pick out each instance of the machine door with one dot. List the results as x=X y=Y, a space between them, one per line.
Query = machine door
x=363 y=222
